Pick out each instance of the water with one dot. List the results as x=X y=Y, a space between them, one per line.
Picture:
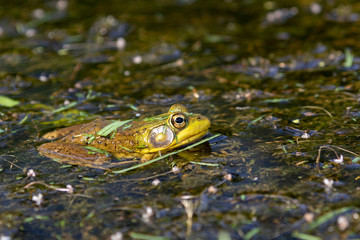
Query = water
x=277 y=79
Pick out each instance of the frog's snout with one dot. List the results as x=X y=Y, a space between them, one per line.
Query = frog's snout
x=205 y=122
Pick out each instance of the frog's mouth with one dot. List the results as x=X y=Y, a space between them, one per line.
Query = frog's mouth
x=190 y=139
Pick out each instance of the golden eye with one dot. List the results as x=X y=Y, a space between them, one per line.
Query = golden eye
x=161 y=136
x=178 y=120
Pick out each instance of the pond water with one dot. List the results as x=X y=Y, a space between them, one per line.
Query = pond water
x=279 y=81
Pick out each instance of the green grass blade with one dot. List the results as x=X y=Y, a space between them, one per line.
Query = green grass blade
x=125 y=148
x=330 y=215
x=249 y=235
x=96 y=150
x=349 y=58
x=112 y=127
x=8 y=102
x=63 y=108
x=24 y=119
x=146 y=236
x=165 y=156
x=255 y=120
x=206 y=164
x=223 y=235
x=304 y=236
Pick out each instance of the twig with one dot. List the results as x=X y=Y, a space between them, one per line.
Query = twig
x=319 y=153
x=13 y=164
x=321 y=108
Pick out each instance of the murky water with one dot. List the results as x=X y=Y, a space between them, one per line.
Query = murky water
x=279 y=81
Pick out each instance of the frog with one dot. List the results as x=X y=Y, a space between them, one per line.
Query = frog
x=145 y=139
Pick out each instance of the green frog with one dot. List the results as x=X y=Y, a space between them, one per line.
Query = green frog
x=146 y=139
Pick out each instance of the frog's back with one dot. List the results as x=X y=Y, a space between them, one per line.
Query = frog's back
x=84 y=128
x=126 y=139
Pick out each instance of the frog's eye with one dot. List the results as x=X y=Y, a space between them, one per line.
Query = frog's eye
x=178 y=120
x=161 y=136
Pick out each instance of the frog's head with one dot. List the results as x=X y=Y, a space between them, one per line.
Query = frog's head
x=178 y=128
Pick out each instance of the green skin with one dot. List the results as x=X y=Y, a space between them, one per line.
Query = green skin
x=131 y=140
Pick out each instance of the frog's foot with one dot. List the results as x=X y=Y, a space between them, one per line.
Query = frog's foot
x=72 y=153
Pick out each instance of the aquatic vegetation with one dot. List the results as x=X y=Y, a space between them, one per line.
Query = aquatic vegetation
x=279 y=81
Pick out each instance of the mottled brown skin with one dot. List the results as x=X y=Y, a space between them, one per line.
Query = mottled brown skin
x=129 y=141
x=78 y=134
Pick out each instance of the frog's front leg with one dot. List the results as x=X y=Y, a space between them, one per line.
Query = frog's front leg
x=71 y=153
x=148 y=156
